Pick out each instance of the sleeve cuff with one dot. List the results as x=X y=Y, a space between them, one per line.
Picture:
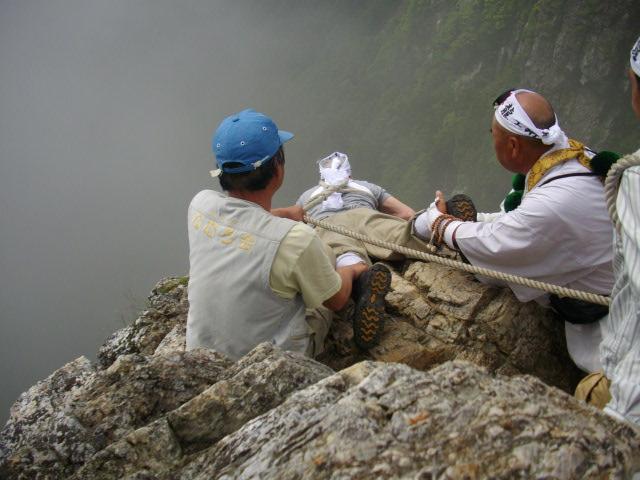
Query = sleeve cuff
x=449 y=231
x=335 y=288
x=612 y=413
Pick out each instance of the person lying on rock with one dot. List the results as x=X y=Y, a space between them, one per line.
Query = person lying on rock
x=362 y=207
x=358 y=204
x=617 y=390
x=335 y=170
x=256 y=277
x=560 y=233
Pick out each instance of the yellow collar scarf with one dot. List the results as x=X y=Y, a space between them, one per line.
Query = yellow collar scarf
x=547 y=162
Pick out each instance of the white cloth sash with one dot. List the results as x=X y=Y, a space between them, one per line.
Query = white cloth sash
x=335 y=170
x=336 y=203
x=635 y=58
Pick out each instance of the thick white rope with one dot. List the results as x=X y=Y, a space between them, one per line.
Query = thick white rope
x=326 y=193
x=527 y=282
x=409 y=252
x=612 y=183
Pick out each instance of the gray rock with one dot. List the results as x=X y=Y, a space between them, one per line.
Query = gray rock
x=136 y=390
x=440 y=314
x=60 y=423
x=161 y=412
x=260 y=381
x=37 y=433
x=168 y=307
x=456 y=421
x=142 y=453
x=174 y=341
x=255 y=385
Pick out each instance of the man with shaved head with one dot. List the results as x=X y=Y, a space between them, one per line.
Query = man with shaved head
x=559 y=234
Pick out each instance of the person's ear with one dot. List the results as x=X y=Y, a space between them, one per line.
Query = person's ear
x=514 y=147
x=635 y=92
x=280 y=170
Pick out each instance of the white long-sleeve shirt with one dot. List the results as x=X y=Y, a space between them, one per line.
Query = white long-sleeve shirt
x=620 y=348
x=560 y=234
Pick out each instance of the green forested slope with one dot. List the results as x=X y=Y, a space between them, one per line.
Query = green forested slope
x=406 y=87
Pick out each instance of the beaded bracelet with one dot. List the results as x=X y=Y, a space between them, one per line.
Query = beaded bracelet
x=438 y=228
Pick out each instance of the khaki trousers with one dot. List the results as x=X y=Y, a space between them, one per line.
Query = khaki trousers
x=594 y=390
x=319 y=321
x=373 y=224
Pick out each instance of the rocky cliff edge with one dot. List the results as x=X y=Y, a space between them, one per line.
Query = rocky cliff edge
x=466 y=383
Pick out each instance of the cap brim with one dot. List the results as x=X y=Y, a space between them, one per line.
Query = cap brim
x=284 y=136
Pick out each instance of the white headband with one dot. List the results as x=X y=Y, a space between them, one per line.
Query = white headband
x=635 y=58
x=512 y=117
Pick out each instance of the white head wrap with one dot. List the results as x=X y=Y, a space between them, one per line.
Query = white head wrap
x=334 y=170
x=512 y=117
x=635 y=58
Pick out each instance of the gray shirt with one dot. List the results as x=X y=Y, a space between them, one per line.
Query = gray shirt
x=351 y=200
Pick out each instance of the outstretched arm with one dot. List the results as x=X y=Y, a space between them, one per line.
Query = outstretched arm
x=294 y=212
x=395 y=207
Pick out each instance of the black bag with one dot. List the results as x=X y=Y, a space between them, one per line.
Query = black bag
x=577 y=311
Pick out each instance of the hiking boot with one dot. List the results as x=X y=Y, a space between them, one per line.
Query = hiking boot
x=461 y=206
x=368 y=319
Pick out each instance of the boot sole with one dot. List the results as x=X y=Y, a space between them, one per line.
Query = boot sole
x=369 y=315
x=461 y=206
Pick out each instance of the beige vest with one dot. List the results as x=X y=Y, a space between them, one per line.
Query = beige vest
x=232 y=244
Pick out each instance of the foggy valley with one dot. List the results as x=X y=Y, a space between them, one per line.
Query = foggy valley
x=107 y=111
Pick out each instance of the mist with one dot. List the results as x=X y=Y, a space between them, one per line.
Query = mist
x=106 y=116
x=107 y=110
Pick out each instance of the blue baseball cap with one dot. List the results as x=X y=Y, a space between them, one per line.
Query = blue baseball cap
x=249 y=138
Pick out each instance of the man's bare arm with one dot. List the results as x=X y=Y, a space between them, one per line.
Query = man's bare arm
x=294 y=212
x=395 y=207
x=348 y=275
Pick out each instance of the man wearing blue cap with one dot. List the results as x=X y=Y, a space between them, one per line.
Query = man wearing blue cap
x=256 y=277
